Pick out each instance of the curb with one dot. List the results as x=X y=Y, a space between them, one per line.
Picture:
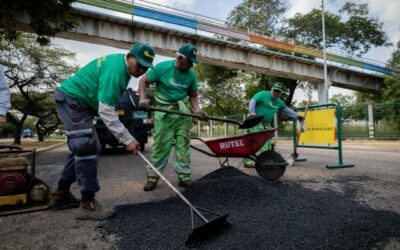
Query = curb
x=44 y=149
x=50 y=147
x=353 y=143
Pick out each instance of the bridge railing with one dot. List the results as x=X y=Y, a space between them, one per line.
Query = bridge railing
x=201 y=23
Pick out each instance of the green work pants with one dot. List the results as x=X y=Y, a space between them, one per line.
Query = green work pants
x=169 y=128
x=267 y=146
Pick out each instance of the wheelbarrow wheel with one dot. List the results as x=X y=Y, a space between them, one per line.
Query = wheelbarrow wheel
x=269 y=171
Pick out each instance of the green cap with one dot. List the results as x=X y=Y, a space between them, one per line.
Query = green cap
x=189 y=51
x=144 y=54
x=278 y=86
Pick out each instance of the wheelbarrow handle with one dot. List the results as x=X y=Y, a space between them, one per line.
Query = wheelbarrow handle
x=194 y=115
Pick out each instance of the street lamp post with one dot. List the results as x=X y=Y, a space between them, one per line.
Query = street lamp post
x=326 y=86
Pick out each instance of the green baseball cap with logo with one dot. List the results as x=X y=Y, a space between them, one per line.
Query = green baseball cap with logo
x=189 y=51
x=278 y=86
x=144 y=54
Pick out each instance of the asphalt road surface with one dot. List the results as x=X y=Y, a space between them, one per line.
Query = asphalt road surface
x=374 y=182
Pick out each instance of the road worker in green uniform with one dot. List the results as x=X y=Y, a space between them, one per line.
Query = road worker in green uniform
x=94 y=89
x=268 y=103
x=176 y=89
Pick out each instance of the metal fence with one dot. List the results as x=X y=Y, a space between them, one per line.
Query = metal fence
x=358 y=121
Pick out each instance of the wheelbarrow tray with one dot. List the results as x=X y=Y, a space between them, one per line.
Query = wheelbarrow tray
x=239 y=146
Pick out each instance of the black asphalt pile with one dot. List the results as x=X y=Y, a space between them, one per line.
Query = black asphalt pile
x=263 y=215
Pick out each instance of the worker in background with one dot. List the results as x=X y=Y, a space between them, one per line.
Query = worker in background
x=96 y=88
x=176 y=89
x=268 y=103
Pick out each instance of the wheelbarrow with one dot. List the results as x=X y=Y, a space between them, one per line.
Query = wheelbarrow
x=270 y=165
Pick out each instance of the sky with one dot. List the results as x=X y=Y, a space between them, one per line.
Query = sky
x=386 y=11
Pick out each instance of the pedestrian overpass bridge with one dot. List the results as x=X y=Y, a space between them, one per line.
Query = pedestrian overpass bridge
x=248 y=52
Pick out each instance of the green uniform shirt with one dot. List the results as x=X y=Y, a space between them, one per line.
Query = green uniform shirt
x=171 y=84
x=267 y=106
x=102 y=80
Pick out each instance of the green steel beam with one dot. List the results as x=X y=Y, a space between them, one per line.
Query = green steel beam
x=110 y=5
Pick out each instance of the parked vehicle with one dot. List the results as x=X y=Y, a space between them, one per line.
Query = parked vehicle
x=138 y=122
x=27 y=132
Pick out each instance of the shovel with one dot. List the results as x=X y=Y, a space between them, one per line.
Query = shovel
x=293 y=157
x=250 y=121
x=203 y=231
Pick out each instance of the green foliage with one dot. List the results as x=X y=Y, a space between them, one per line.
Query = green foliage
x=307 y=28
x=260 y=16
x=46 y=18
x=222 y=92
x=303 y=103
x=30 y=122
x=342 y=99
x=394 y=62
x=33 y=72
x=351 y=30
x=390 y=91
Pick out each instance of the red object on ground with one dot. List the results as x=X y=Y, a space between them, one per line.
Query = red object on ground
x=243 y=145
x=11 y=183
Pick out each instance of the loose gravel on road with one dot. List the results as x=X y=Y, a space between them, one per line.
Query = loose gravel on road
x=263 y=215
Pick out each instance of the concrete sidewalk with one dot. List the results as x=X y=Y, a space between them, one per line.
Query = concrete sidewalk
x=390 y=143
x=28 y=144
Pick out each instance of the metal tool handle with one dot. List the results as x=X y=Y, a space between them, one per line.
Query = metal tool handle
x=298 y=134
x=172 y=187
x=194 y=115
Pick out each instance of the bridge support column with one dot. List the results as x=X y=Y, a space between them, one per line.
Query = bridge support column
x=371 y=127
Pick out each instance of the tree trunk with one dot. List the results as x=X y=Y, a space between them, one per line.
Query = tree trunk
x=40 y=137
x=17 y=136
x=19 y=124
x=291 y=85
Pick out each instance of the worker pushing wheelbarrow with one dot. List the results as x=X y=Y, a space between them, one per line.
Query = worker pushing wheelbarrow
x=269 y=164
x=262 y=107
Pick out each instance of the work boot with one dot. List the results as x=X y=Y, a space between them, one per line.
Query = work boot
x=62 y=200
x=150 y=185
x=92 y=210
x=247 y=163
x=184 y=184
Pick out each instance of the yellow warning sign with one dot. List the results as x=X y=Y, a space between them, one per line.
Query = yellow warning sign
x=320 y=128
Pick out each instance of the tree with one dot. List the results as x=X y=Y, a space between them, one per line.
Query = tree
x=48 y=120
x=390 y=90
x=352 y=30
x=394 y=62
x=388 y=94
x=343 y=100
x=33 y=71
x=220 y=95
x=260 y=16
x=46 y=18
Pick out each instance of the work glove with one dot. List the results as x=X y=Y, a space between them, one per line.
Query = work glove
x=144 y=103
x=300 y=118
x=202 y=115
